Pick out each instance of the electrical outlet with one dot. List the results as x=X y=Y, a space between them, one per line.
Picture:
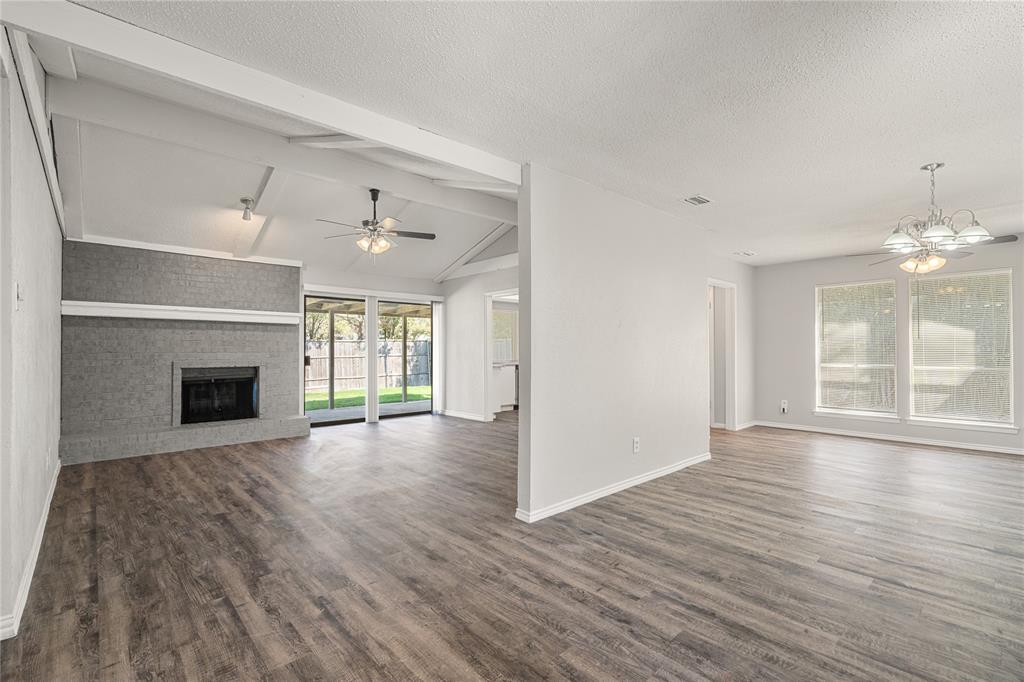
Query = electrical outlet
x=784 y=407
x=636 y=444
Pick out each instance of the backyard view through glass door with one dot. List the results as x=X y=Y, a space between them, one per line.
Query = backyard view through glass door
x=335 y=380
x=404 y=358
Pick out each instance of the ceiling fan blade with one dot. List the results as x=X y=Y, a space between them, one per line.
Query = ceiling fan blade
x=1005 y=239
x=389 y=223
x=956 y=254
x=867 y=253
x=348 y=234
x=896 y=257
x=413 y=235
x=335 y=222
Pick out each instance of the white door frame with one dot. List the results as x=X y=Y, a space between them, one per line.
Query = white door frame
x=489 y=297
x=730 y=348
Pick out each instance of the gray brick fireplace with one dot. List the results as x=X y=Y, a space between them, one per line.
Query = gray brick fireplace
x=122 y=376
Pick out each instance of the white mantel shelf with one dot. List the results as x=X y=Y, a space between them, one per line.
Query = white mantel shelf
x=145 y=311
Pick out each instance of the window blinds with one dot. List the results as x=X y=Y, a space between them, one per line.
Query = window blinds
x=961 y=345
x=505 y=335
x=857 y=347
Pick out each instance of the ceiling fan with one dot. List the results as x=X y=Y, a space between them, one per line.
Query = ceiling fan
x=925 y=244
x=376 y=236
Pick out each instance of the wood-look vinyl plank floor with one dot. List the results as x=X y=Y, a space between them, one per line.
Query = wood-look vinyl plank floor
x=389 y=552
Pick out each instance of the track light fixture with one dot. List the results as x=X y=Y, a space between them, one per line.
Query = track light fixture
x=248 y=202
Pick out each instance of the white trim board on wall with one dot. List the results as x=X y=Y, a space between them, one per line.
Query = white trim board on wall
x=959 y=445
x=184 y=250
x=467 y=415
x=565 y=505
x=146 y=311
x=9 y=622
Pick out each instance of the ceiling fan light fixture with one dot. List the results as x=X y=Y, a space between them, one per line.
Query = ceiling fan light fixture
x=910 y=265
x=380 y=245
x=974 y=234
x=364 y=242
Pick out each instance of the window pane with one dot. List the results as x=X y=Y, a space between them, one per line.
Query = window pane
x=857 y=347
x=961 y=342
x=504 y=332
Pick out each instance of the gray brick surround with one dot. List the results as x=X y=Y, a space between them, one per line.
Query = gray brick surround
x=120 y=388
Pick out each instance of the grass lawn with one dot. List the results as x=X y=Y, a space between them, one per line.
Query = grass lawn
x=317 y=400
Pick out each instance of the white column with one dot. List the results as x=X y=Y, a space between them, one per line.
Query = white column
x=372 y=406
x=437 y=361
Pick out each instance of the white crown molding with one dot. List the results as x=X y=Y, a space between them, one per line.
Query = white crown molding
x=10 y=622
x=959 y=445
x=145 y=311
x=184 y=250
x=558 y=507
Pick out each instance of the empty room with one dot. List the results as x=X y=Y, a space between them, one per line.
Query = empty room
x=511 y=340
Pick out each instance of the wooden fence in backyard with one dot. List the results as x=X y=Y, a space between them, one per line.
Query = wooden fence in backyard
x=350 y=364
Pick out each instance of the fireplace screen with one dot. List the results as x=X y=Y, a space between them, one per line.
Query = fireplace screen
x=212 y=394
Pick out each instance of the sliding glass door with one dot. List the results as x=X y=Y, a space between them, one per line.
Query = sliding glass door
x=335 y=381
x=404 y=358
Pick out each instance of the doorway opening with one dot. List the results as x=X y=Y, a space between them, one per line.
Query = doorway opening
x=722 y=354
x=501 y=373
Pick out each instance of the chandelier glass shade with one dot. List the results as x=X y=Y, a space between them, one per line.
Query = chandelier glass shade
x=925 y=238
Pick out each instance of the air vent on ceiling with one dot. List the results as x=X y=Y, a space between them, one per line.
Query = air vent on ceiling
x=744 y=254
x=697 y=200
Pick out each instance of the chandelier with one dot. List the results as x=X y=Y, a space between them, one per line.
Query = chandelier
x=925 y=240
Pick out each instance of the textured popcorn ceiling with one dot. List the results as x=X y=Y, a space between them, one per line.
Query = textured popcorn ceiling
x=805 y=123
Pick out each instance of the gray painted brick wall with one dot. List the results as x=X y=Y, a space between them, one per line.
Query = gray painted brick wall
x=117 y=274
x=118 y=375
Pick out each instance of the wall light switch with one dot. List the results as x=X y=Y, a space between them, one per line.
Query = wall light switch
x=636 y=444
x=784 y=406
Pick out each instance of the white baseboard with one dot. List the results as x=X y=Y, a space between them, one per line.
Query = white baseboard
x=468 y=415
x=718 y=425
x=745 y=425
x=898 y=439
x=550 y=510
x=9 y=622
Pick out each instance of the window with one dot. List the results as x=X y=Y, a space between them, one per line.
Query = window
x=961 y=341
x=857 y=347
x=505 y=334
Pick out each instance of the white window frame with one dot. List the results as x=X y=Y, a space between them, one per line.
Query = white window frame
x=825 y=411
x=956 y=422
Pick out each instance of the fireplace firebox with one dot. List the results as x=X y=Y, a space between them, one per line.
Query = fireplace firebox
x=212 y=394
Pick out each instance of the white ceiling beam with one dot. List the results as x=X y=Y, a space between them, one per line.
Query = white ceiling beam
x=68 y=143
x=488 y=239
x=496 y=187
x=265 y=204
x=97 y=33
x=489 y=265
x=335 y=142
x=33 y=87
x=56 y=57
x=93 y=102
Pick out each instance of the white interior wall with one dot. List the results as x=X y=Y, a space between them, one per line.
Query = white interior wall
x=785 y=330
x=30 y=378
x=613 y=344
x=466 y=339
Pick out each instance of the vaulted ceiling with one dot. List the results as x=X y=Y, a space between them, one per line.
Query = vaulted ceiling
x=804 y=122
